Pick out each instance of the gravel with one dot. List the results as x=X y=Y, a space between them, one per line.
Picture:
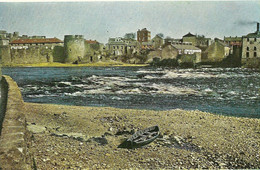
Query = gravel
x=88 y=137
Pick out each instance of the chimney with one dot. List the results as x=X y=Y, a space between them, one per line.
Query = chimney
x=257 y=30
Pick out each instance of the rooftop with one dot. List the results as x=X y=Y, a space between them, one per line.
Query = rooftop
x=34 y=41
x=157 y=36
x=189 y=35
x=144 y=29
x=232 y=38
x=185 y=47
x=253 y=35
x=91 y=41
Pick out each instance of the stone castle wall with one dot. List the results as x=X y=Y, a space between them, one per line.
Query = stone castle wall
x=74 y=48
x=93 y=53
x=5 y=54
x=32 y=55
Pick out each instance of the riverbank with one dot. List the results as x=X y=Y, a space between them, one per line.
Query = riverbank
x=71 y=137
x=55 y=64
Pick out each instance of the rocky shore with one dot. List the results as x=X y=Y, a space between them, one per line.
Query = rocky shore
x=72 y=137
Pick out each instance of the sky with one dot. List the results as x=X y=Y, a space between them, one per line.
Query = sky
x=101 y=20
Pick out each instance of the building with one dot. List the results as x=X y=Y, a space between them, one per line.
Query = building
x=157 y=41
x=189 y=38
x=235 y=45
x=25 y=51
x=15 y=49
x=216 y=52
x=122 y=46
x=10 y=36
x=186 y=48
x=233 y=41
x=147 y=45
x=117 y=46
x=169 y=41
x=182 y=54
x=93 y=51
x=251 y=47
x=196 y=40
x=188 y=51
x=26 y=43
x=143 y=35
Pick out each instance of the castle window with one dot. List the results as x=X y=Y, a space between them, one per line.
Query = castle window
x=247 y=54
x=255 y=48
x=255 y=54
x=247 y=48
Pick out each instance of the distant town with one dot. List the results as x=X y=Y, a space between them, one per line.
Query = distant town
x=191 y=50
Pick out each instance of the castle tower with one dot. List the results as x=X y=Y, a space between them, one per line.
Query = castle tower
x=5 y=55
x=74 y=48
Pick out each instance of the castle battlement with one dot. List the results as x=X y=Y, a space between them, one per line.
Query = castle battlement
x=68 y=37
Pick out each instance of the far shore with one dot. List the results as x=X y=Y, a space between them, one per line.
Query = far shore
x=97 y=64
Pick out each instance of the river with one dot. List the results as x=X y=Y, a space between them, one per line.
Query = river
x=233 y=91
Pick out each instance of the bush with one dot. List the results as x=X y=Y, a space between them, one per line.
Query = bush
x=164 y=62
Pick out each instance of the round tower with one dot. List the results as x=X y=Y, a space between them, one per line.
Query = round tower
x=74 y=48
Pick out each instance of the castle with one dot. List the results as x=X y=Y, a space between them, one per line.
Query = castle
x=25 y=49
x=230 y=52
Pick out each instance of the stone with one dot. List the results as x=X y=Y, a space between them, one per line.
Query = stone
x=76 y=136
x=178 y=140
x=100 y=140
x=36 y=128
x=222 y=165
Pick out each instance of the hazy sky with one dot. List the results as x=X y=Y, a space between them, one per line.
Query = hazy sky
x=101 y=20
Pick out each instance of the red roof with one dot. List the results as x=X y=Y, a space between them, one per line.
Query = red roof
x=34 y=41
x=91 y=42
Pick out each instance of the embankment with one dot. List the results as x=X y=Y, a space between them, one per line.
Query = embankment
x=13 y=140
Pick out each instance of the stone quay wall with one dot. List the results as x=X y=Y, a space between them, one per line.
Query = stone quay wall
x=13 y=134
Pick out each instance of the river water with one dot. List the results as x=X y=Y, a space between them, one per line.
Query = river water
x=234 y=92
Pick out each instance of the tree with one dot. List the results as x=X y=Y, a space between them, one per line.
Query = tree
x=130 y=35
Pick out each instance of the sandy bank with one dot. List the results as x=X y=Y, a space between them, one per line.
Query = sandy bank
x=97 y=64
x=87 y=137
